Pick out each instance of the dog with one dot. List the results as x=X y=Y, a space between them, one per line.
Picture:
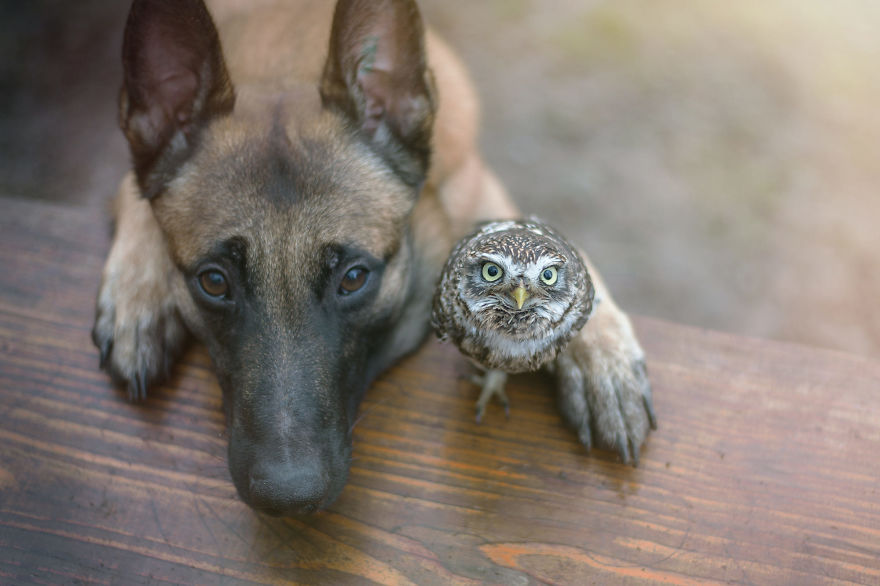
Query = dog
x=299 y=175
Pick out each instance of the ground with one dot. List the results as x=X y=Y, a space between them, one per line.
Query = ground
x=718 y=161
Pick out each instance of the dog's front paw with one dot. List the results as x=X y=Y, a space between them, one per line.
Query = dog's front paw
x=138 y=332
x=138 y=328
x=602 y=385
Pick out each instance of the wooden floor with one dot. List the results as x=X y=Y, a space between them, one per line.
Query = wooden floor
x=765 y=468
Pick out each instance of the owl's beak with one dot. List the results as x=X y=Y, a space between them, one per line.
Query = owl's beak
x=520 y=295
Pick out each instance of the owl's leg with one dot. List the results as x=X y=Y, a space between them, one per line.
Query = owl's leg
x=493 y=382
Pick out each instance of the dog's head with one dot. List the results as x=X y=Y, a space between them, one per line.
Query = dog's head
x=287 y=212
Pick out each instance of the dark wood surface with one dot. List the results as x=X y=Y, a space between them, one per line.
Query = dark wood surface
x=765 y=468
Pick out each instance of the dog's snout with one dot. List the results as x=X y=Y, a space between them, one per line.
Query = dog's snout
x=286 y=489
x=289 y=452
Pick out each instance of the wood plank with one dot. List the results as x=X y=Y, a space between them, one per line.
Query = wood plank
x=764 y=469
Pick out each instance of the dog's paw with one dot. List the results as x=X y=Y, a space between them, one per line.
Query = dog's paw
x=138 y=328
x=138 y=333
x=602 y=385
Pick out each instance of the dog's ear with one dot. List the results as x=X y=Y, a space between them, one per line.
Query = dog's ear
x=376 y=74
x=175 y=83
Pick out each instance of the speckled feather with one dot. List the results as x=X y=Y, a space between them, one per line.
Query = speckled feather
x=477 y=315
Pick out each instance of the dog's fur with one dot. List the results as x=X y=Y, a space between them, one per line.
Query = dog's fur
x=299 y=151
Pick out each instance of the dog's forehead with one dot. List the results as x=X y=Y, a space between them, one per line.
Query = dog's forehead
x=287 y=186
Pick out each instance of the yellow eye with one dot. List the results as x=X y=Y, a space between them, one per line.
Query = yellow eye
x=492 y=272
x=549 y=275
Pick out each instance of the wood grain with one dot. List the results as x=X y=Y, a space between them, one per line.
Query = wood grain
x=765 y=468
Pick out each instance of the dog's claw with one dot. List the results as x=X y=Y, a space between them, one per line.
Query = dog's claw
x=635 y=455
x=627 y=450
x=641 y=372
x=649 y=409
x=137 y=387
x=586 y=437
x=143 y=386
x=623 y=448
x=104 y=354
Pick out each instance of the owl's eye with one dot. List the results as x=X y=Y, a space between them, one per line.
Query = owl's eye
x=492 y=272
x=549 y=275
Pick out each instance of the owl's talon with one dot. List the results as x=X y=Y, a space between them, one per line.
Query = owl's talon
x=493 y=384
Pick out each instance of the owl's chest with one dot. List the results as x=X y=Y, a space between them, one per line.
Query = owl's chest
x=499 y=351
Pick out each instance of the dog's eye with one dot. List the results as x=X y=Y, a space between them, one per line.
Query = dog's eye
x=214 y=283
x=353 y=280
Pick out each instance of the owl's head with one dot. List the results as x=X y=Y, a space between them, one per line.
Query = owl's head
x=519 y=276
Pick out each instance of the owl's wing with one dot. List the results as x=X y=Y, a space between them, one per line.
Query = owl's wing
x=443 y=318
x=438 y=313
x=442 y=306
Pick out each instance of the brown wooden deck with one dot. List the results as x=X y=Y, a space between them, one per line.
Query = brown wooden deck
x=765 y=468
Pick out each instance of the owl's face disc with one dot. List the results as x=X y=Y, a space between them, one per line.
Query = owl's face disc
x=516 y=281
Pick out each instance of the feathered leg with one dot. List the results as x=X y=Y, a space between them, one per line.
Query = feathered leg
x=493 y=382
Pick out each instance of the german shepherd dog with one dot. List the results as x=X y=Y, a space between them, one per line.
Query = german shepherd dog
x=295 y=192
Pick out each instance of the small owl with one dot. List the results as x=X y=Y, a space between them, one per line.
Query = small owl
x=511 y=296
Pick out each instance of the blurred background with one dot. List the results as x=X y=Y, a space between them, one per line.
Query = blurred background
x=719 y=162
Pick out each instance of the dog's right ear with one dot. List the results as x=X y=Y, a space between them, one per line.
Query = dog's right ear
x=175 y=83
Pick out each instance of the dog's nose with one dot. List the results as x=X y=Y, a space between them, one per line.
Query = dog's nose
x=287 y=489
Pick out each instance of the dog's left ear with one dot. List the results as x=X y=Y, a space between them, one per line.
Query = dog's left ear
x=376 y=74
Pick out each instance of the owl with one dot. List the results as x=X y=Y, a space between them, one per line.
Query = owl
x=511 y=296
